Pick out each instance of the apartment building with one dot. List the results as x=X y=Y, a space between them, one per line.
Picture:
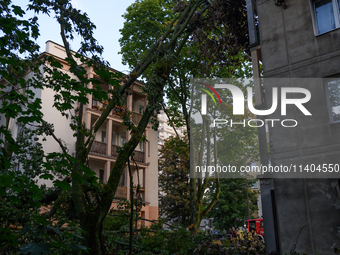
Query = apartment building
x=300 y=39
x=165 y=129
x=112 y=134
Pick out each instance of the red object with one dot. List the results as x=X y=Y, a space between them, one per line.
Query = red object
x=256 y=224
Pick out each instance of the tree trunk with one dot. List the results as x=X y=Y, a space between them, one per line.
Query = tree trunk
x=92 y=230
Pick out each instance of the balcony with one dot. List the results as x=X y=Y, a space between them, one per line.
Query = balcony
x=114 y=150
x=139 y=156
x=101 y=148
x=98 y=147
x=121 y=192
x=117 y=111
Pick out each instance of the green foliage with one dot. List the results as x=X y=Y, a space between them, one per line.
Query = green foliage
x=114 y=222
x=47 y=239
x=151 y=18
x=156 y=240
x=213 y=45
x=22 y=159
x=174 y=168
x=247 y=246
x=178 y=240
x=76 y=194
x=230 y=209
x=175 y=241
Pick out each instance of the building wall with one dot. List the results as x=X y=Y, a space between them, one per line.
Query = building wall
x=104 y=159
x=165 y=129
x=153 y=174
x=306 y=217
x=288 y=45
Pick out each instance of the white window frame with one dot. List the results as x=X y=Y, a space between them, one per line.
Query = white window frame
x=336 y=12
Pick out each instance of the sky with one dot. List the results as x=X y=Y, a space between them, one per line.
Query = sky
x=105 y=14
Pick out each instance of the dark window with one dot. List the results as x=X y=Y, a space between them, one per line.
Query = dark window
x=101 y=175
x=149 y=148
x=252 y=225
x=104 y=136
x=122 y=180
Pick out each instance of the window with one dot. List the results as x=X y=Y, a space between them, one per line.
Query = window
x=122 y=180
x=253 y=167
x=101 y=175
x=332 y=86
x=252 y=225
x=141 y=146
x=149 y=148
x=326 y=15
x=122 y=138
x=141 y=109
x=255 y=186
x=114 y=138
x=103 y=136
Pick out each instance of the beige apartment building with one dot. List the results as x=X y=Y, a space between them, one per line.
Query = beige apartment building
x=111 y=135
x=165 y=129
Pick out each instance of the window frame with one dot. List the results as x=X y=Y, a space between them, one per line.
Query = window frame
x=336 y=12
x=329 y=107
x=103 y=137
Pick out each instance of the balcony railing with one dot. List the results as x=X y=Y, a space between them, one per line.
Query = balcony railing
x=114 y=150
x=98 y=147
x=139 y=156
x=117 y=111
x=121 y=192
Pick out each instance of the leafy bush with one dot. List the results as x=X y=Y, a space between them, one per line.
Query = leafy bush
x=248 y=245
x=115 y=222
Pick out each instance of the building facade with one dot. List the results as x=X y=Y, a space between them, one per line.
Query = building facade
x=300 y=39
x=112 y=134
x=165 y=129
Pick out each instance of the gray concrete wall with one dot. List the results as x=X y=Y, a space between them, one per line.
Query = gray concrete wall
x=306 y=215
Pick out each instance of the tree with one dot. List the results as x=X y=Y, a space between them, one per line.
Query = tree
x=174 y=180
x=213 y=43
x=230 y=209
x=19 y=54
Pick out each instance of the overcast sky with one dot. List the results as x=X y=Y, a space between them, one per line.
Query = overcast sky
x=105 y=14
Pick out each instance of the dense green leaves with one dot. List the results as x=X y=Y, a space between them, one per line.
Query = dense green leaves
x=174 y=168
x=158 y=40
x=213 y=44
x=230 y=209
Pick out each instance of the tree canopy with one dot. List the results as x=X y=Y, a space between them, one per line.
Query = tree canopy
x=230 y=209
x=174 y=28
x=174 y=180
